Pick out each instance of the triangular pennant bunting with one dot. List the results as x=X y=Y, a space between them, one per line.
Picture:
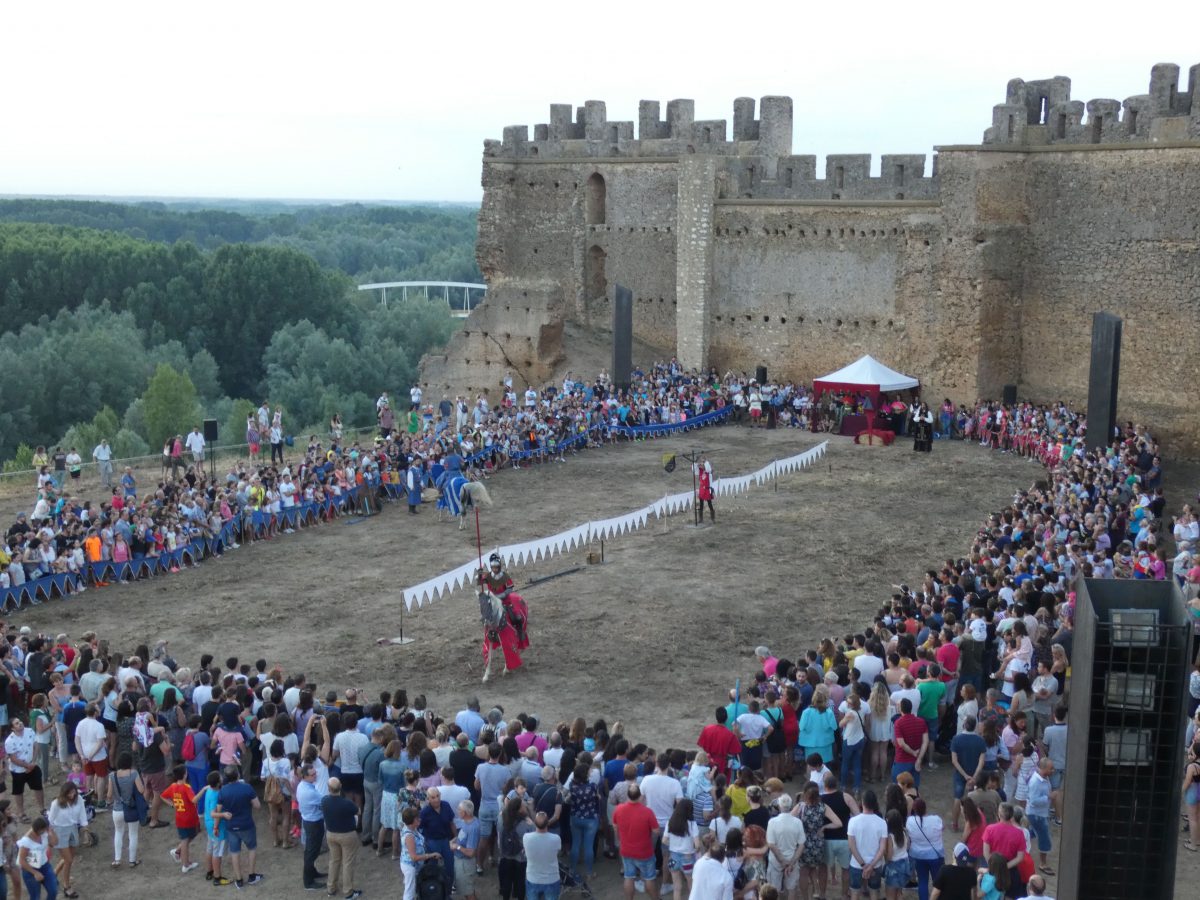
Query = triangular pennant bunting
x=581 y=535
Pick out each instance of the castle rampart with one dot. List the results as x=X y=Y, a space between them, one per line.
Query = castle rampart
x=973 y=269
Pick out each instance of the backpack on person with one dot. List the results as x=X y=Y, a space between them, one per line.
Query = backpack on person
x=188 y=749
x=432 y=883
x=510 y=843
x=273 y=790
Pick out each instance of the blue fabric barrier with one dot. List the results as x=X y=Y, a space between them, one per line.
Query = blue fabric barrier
x=699 y=421
x=235 y=530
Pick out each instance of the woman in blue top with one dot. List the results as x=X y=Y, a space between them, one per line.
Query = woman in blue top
x=818 y=725
x=412 y=852
x=391 y=777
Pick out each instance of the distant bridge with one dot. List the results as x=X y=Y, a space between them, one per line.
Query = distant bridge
x=460 y=307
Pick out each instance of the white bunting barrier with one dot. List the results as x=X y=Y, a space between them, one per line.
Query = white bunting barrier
x=605 y=529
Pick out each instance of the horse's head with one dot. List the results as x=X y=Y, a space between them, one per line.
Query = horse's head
x=491 y=610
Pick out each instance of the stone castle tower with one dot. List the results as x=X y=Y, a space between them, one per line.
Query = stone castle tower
x=980 y=270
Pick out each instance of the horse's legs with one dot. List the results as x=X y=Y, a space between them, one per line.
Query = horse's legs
x=462 y=521
x=487 y=661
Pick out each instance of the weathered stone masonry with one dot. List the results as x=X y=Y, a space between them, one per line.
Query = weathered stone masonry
x=983 y=269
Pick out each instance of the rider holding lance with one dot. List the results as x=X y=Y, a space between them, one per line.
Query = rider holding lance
x=704 y=492
x=510 y=629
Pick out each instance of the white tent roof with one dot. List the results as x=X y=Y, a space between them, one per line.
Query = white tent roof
x=870 y=372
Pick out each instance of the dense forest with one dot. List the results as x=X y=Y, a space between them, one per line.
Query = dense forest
x=368 y=243
x=133 y=321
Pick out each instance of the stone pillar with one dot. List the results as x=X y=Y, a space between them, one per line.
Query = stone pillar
x=694 y=257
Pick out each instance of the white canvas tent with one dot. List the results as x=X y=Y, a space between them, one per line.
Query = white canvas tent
x=865 y=374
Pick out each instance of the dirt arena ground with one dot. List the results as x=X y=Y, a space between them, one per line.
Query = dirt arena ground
x=654 y=637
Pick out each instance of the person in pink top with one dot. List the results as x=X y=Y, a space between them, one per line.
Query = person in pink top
x=530 y=738
x=768 y=661
x=229 y=744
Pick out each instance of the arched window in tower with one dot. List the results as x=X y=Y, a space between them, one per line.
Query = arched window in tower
x=596 y=200
x=595 y=280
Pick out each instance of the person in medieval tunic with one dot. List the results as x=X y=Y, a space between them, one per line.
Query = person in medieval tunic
x=704 y=491
x=412 y=484
x=922 y=420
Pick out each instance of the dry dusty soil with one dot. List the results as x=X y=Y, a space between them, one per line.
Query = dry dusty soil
x=654 y=636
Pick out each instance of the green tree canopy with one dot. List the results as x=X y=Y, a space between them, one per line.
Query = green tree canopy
x=170 y=405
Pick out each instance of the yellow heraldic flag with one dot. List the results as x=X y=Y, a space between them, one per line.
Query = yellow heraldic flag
x=669 y=462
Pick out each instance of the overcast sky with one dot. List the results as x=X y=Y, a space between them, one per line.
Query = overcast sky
x=392 y=101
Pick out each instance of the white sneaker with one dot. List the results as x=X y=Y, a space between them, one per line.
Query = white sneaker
x=174 y=851
x=667 y=889
x=639 y=886
x=189 y=867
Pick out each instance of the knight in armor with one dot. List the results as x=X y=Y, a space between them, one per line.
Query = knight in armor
x=510 y=629
x=704 y=491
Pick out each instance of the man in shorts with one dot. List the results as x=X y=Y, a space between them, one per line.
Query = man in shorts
x=25 y=772
x=91 y=741
x=240 y=800
x=867 y=834
x=490 y=779
x=785 y=842
x=638 y=832
x=465 y=846
x=187 y=820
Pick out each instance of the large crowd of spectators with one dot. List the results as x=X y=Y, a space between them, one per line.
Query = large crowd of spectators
x=807 y=782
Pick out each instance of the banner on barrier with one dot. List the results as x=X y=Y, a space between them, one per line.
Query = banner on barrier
x=577 y=537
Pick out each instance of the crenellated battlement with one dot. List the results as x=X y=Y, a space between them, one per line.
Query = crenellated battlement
x=590 y=134
x=1036 y=113
x=758 y=160
x=847 y=176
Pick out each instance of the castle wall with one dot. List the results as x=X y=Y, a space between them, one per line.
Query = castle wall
x=975 y=269
x=1116 y=230
x=805 y=288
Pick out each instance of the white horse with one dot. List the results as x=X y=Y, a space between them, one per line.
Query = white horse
x=491 y=615
x=471 y=494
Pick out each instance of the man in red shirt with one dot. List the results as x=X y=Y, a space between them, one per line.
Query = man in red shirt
x=187 y=819
x=637 y=829
x=67 y=650
x=911 y=736
x=719 y=742
x=947 y=657
x=1008 y=840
